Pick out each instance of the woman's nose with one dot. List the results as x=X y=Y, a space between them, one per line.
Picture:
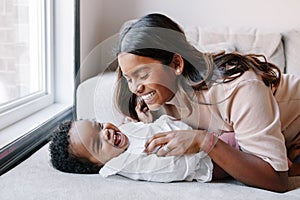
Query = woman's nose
x=137 y=88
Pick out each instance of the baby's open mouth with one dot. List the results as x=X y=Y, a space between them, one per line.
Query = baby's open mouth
x=116 y=138
x=119 y=139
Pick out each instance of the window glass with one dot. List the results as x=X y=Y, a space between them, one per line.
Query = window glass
x=26 y=59
x=22 y=52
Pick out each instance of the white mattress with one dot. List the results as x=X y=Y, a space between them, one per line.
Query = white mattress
x=36 y=179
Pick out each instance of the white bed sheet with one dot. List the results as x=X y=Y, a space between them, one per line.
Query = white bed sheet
x=36 y=179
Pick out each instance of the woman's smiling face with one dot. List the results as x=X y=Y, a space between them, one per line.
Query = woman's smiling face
x=148 y=78
x=96 y=142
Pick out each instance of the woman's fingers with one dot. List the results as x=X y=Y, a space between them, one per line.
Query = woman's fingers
x=171 y=149
x=158 y=135
x=156 y=141
x=176 y=143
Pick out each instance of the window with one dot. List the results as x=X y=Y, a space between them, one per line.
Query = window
x=37 y=59
x=37 y=70
x=25 y=65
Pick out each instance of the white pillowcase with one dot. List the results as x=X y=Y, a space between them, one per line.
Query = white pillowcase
x=217 y=47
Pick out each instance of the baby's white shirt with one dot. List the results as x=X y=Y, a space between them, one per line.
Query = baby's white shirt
x=137 y=165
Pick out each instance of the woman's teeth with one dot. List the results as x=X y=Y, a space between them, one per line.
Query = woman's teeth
x=148 y=96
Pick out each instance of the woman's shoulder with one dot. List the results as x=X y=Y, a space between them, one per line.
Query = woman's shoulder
x=247 y=79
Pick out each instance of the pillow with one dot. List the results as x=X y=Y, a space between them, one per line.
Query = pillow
x=217 y=47
x=244 y=40
x=192 y=35
x=292 y=48
x=95 y=99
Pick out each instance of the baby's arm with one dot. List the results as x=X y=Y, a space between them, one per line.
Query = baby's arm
x=143 y=112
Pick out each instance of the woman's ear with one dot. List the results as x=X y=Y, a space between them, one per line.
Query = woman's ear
x=178 y=64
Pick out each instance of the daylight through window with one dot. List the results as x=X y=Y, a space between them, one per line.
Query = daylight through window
x=24 y=70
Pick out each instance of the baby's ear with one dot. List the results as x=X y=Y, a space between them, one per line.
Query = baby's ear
x=99 y=165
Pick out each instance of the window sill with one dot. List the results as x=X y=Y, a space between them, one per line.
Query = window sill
x=21 y=128
x=26 y=136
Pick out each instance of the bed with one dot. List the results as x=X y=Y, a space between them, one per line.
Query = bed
x=36 y=179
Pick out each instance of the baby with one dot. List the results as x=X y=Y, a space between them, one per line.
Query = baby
x=86 y=146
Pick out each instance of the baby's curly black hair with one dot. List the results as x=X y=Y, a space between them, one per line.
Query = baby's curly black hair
x=62 y=159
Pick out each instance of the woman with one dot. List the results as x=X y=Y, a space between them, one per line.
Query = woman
x=214 y=94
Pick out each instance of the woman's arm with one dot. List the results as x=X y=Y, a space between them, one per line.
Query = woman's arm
x=247 y=168
x=255 y=118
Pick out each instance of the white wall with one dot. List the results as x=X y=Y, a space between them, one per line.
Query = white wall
x=260 y=13
x=101 y=19
x=90 y=24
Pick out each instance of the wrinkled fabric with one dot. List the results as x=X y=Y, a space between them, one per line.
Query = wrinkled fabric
x=264 y=125
x=137 y=165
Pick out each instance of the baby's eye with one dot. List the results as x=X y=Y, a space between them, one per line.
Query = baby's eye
x=100 y=126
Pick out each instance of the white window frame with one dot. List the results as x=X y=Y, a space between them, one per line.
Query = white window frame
x=60 y=57
x=25 y=106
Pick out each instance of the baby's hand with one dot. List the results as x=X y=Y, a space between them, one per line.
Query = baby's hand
x=143 y=111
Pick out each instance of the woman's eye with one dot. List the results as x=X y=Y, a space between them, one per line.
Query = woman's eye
x=144 y=76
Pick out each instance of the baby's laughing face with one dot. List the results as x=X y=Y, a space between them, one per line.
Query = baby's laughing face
x=96 y=142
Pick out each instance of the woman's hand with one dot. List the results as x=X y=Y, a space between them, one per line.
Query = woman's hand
x=177 y=142
x=244 y=167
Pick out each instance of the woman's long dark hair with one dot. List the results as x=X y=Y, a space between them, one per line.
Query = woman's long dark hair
x=158 y=37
